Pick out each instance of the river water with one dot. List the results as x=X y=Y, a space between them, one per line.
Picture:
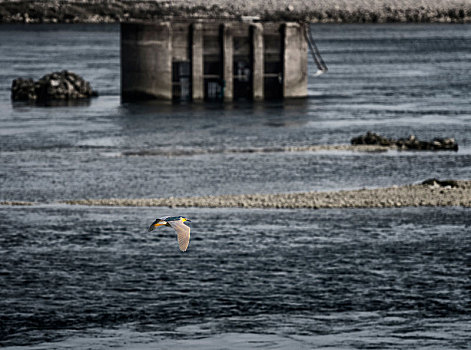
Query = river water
x=75 y=277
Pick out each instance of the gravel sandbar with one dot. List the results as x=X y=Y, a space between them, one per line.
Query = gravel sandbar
x=396 y=196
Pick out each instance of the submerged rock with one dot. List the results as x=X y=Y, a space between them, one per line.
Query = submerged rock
x=440 y=183
x=52 y=87
x=448 y=144
x=370 y=138
x=411 y=143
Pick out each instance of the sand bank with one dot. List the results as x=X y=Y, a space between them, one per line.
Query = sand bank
x=312 y=148
x=396 y=196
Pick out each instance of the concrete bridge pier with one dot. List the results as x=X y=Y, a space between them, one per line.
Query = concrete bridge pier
x=146 y=61
x=197 y=61
x=294 y=61
x=256 y=32
x=227 y=61
x=183 y=60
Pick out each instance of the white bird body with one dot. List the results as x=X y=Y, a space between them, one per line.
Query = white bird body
x=177 y=223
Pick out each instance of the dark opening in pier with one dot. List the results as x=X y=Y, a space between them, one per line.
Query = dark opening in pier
x=212 y=63
x=181 y=81
x=273 y=65
x=242 y=66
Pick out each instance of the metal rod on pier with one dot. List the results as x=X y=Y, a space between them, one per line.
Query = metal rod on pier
x=321 y=66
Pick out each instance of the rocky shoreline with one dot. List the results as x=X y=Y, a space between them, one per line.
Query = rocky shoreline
x=430 y=193
x=335 y=11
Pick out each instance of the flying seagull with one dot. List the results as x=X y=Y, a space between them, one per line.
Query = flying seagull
x=177 y=222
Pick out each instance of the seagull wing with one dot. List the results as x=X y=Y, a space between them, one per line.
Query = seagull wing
x=183 y=233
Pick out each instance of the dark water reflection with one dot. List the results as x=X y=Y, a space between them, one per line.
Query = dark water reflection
x=52 y=103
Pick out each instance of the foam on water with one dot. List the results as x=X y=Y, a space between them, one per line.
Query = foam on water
x=201 y=336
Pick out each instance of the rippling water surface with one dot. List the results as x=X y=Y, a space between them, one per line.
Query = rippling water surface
x=91 y=277
x=341 y=278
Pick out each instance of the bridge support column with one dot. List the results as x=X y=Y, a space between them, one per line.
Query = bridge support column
x=227 y=62
x=146 y=61
x=256 y=32
x=197 y=62
x=294 y=61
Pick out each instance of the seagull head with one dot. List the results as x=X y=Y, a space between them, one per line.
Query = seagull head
x=165 y=221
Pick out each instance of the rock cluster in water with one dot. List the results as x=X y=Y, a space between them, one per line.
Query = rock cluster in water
x=339 y=11
x=55 y=86
x=410 y=143
x=441 y=183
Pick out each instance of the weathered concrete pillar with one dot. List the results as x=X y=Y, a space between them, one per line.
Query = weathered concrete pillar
x=197 y=61
x=227 y=61
x=146 y=61
x=256 y=31
x=294 y=61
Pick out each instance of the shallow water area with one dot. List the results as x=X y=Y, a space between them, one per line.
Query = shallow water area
x=396 y=80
